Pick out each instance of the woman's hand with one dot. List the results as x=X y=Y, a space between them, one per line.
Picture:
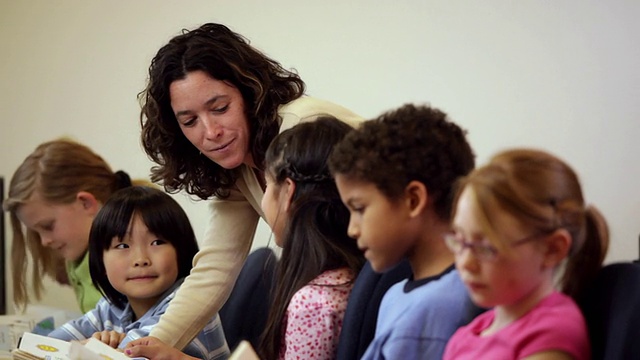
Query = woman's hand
x=109 y=337
x=154 y=349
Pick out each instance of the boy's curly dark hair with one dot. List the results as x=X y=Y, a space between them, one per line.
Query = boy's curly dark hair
x=410 y=143
x=227 y=56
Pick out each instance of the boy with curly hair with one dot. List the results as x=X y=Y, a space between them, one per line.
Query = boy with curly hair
x=396 y=174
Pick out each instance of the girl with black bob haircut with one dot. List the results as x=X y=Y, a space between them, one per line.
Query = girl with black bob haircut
x=141 y=246
x=162 y=215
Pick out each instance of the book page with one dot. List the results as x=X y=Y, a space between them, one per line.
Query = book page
x=244 y=351
x=34 y=346
x=77 y=351
x=106 y=352
x=42 y=346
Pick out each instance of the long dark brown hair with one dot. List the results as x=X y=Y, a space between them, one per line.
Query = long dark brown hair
x=226 y=56
x=315 y=236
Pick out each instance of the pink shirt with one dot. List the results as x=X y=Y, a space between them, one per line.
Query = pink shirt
x=556 y=323
x=314 y=316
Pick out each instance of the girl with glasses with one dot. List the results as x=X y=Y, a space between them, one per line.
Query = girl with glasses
x=517 y=221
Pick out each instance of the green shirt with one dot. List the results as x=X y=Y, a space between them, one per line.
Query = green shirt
x=79 y=277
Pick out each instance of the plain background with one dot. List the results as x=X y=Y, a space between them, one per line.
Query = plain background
x=559 y=75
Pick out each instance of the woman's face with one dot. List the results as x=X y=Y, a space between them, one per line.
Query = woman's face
x=63 y=228
x=212 y=117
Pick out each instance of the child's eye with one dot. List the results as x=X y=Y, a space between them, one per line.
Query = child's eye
x=47 y=227
x=121 y=246
x=158 y=242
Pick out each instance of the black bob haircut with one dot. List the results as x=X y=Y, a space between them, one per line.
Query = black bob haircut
x=162 y=215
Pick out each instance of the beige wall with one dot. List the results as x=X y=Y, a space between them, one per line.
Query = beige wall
x=560 y=75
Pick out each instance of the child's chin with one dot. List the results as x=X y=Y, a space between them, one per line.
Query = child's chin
x=482 y=302
x=380 y=267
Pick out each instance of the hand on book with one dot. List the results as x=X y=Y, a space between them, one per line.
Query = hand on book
x=109 y=337
x=154 y=349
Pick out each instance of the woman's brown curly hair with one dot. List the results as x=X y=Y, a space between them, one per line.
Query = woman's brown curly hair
x=227 y=56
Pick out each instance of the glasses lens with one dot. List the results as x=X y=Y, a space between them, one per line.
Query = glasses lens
x=485 y=252
x=453 y=243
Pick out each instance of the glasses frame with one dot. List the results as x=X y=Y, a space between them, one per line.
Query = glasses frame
x=483 y=251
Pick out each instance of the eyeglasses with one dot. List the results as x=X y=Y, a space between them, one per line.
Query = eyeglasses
x=482 y=251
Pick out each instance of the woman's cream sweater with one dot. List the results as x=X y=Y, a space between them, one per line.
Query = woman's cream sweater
x=232 y=225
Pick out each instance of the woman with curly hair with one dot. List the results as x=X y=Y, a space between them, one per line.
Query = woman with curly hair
x=211 y=106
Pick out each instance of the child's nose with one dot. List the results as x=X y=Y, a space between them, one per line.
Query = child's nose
x=46 y=240
x=353 y=231
x=142 y=262
x=465 y=259
x=141 y=259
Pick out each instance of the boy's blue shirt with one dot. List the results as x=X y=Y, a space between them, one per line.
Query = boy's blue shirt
x=417 y=318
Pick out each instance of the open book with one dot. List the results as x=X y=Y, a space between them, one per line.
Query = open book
x=38 y=347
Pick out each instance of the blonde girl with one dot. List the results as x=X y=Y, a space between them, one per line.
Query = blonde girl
x=517 y=220
x=53 y=197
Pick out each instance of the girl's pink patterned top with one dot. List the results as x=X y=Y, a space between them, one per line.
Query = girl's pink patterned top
x=314 y=316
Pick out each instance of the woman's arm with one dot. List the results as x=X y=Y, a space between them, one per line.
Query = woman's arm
x=222 y=252
x=209 y=342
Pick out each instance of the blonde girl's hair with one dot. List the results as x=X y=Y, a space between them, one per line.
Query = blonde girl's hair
x=57 y=170
x=544 y=194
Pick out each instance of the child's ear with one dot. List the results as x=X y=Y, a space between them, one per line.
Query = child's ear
x=557 y=247
x=416 y=196
x=88 y=202
x=288 y=189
